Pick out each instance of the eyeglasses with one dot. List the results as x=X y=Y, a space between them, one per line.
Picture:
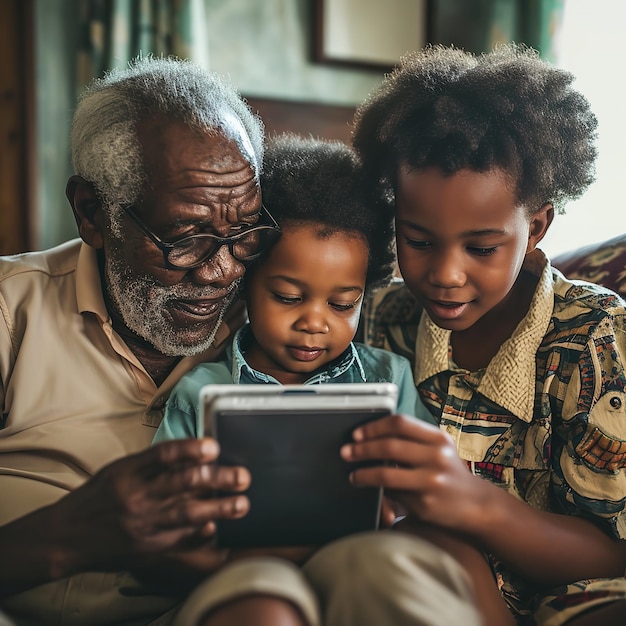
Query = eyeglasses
x=191 y=251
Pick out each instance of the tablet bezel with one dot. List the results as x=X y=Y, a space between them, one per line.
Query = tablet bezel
x=304 y=502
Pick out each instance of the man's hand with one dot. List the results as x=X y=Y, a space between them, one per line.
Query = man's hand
x=158 y=502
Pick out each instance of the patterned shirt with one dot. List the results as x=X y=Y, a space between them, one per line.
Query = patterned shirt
x=545 y=420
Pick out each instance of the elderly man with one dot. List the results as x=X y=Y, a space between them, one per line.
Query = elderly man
x=97 y=526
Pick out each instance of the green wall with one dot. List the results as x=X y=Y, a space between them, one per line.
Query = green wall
x=262 y=46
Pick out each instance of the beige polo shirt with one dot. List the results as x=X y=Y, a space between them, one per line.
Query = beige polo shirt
x=73 y=397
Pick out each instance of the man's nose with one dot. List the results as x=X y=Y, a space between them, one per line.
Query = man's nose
x=222 y=269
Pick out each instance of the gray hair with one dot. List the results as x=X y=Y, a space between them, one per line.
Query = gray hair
x=105 y=147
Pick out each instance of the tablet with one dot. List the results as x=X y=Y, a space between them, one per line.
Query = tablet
x=289 y=437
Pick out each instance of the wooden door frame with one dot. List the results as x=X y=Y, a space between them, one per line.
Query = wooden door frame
x=18 y=173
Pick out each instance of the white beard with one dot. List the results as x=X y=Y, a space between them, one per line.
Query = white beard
x=142 y=303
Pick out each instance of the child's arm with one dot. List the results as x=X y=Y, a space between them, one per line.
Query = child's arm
x=180 y=417
x=435 y=486
x=182 y=411
x=409 y=401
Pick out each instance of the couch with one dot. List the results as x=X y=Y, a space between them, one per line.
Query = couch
x=602 y=263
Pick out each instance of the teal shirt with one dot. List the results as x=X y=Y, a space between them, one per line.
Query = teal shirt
x=360 y=363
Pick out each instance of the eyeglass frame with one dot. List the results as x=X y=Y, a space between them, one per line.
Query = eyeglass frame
x=167 y=246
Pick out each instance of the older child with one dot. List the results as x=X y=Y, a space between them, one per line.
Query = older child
x=523 y=369
x=304 y=296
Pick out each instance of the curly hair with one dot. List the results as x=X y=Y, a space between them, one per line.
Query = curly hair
x=320 y=181
x=105 y=147
x=508 y=109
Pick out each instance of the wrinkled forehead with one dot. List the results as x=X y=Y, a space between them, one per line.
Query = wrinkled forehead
x=227 y=146
x=234 y=130
x=205 y=168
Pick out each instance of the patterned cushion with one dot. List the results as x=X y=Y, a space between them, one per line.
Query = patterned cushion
x=603 y=263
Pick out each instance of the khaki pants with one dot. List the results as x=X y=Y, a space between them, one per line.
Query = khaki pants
x=371 y=579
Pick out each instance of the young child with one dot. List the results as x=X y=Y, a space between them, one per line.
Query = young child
x=304 y=296
x=522 y=369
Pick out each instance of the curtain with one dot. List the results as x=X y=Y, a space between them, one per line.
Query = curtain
x=77 y=40
x=112 y=32
x=480 y=24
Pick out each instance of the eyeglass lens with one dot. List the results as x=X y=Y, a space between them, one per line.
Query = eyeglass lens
x=199 y=248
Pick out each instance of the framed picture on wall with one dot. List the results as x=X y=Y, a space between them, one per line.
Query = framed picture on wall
x=369 y=33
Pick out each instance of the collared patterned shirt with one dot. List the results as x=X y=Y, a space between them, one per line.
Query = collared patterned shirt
x=545 y=420
x=358 y=364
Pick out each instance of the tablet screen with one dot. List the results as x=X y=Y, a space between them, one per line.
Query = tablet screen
x=300 y=494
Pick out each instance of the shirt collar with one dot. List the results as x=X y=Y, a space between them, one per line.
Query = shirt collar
x=90 y=299
x=242 y=372
x=509 y=379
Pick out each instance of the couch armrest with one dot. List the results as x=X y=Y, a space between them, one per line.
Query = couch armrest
x=602 y=263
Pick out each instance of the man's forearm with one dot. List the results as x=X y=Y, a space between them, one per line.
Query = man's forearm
x=32 y=554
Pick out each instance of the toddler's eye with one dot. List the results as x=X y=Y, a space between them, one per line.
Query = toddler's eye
x=483 y=251
x=286 y=299
x=418 y=244
x=342 y=307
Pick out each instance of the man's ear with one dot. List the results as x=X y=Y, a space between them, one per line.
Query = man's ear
x=539 y=224
x=87 y=208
